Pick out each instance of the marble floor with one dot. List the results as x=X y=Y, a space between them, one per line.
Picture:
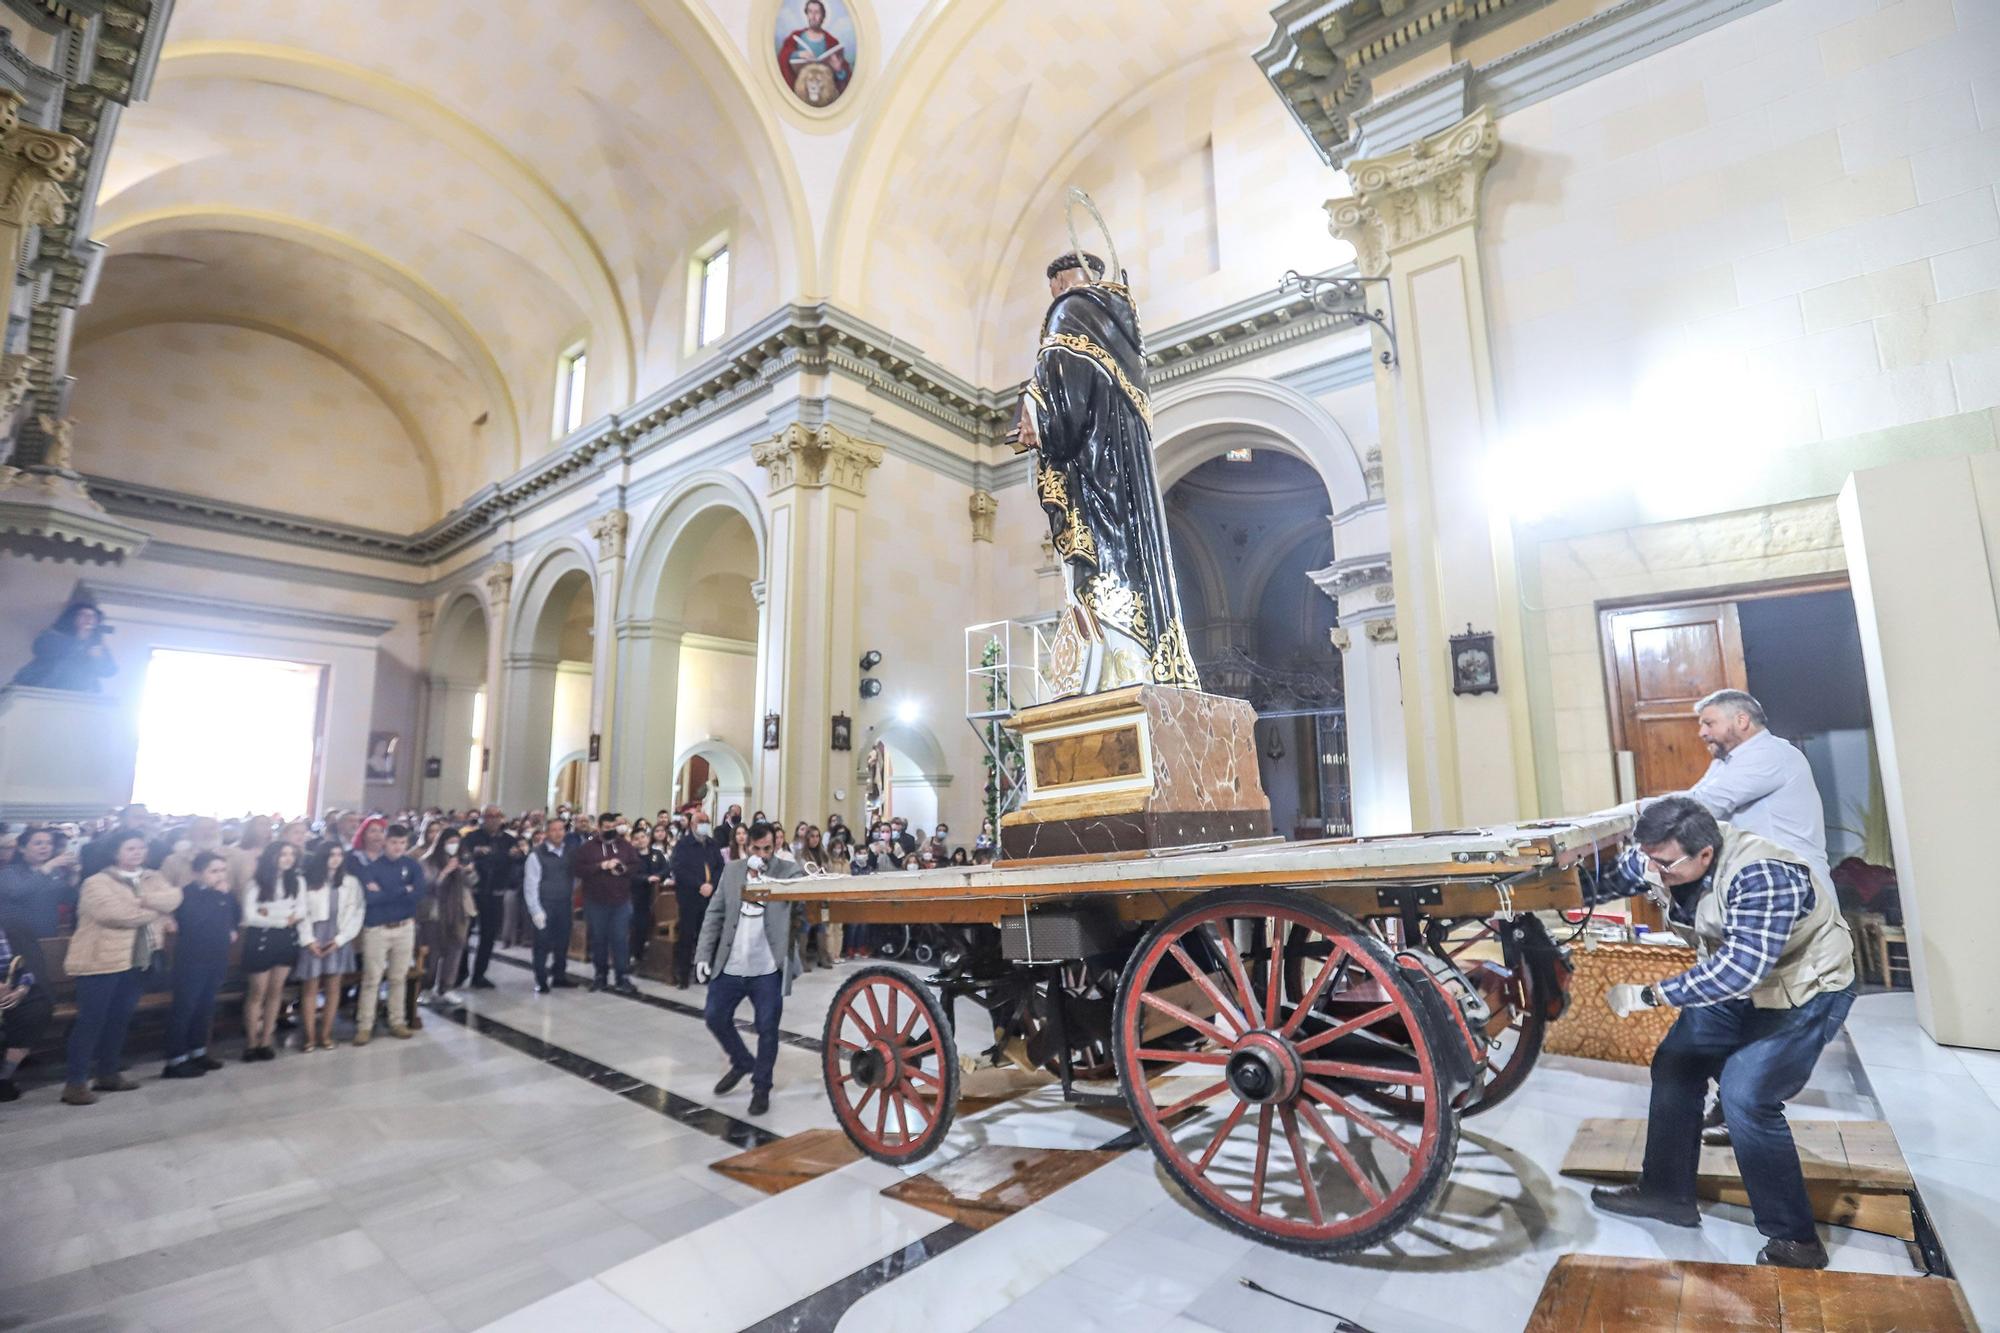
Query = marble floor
x=536 y=1163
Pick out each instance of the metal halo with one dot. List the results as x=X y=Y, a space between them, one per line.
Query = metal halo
x=1075 y=196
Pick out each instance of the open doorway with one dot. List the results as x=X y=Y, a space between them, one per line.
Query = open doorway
x=1797 y=649
x=224 y=735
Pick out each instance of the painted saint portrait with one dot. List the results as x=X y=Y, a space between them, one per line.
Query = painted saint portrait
x=816 y=49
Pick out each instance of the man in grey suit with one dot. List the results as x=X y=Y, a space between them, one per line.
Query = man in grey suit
x=746 y=950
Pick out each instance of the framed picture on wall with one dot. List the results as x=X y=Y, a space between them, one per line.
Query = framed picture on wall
x=1473 y=670
x=385 y=758
x=843 y=732
x=770 y=731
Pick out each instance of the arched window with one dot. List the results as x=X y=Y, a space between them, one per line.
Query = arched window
x=571 y=372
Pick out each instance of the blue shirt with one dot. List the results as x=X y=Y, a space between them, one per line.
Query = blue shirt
x=391 y=887
x=1765 y=901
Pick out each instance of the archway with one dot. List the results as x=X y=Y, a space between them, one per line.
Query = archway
x=456 y=726
x=548 y=674
x=915 y=778
x=714 y=773
x=1250 y=524
x=687 y=645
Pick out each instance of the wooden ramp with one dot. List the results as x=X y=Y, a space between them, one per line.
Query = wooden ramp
x=989 y=1185
x=1855 y=1174
x=776 y=1167
x=1595 y=1293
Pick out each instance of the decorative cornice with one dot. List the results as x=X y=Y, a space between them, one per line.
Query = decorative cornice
x=1344 y=578
x=983 y=507
x=1324 y=53
x=812 y=457
x=1415 y=193
x=113 y=595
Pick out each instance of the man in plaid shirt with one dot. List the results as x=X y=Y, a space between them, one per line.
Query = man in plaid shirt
x=1772 y=984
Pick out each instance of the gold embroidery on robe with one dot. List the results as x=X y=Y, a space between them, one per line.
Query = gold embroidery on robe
x=1053 y=487
x=1108 y=364
x=1074 y=542
x=1172 y=664
x=1115 y=604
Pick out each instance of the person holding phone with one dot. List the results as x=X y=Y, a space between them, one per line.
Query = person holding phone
x=39 y=883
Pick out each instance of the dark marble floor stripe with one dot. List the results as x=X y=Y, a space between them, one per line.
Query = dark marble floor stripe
x=813 y=1044
x=693 y=1114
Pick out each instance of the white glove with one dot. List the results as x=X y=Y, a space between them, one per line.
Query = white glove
x=541 y=922
x=702 y=972
x=1624 y=999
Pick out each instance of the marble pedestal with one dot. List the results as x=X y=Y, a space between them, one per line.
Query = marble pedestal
x=63 y=755
x=1133 y=769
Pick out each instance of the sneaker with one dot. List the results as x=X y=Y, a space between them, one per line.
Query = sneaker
x=208 y=1062
x=401 y=1034
x=563 y=983
x=116 y=1083
x=541 y=988
x=760 y=1101
x=363 y=1038
x=452 y=997
x=1793 y=1254
x=595 y=986
x=183 y=1069
x=10 y=1091
x=727 y=1083
x=78 y=1094
x=1634 y=1201
x=625 y=986
x=481 y=983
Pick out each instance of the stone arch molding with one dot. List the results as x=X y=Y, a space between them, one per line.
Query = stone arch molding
x=531 y=602
x=462 y=610
x=1187 y=422
x=654 y=551
x=733 y=772
x=920 y=743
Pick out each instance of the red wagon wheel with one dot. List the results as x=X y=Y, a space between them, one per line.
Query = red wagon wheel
x=891 y=1065
x=1245 y=1088
x=1518 y=1025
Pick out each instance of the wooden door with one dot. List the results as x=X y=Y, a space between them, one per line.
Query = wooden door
x=1663 y=661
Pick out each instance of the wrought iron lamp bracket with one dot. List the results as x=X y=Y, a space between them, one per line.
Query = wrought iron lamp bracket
x=1344 y=298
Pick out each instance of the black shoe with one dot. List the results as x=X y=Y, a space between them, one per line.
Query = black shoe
x=208 y=1062
x=9 y=1090
x=625 y=986
x=1717 y=1137
x=760 y=1101
x=184 y=1069
x=563 y=983
x=481 y=983
x=1633 y=1201
x=680 y=983
x=541 y=988
x=117 y=1084
x=596 y=985
x=727 y=1083
x=1793 y=1254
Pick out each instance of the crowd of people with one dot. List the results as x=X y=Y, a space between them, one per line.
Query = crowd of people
x=139 y=904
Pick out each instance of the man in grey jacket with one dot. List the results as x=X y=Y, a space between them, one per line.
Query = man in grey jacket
x=746 y=950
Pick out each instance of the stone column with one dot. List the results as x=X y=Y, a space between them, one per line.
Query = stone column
x=499 y=581
x=1413 y=219
x=809 y=635
x=642 y=757
x=608 y=531
x=1365 y=636
x=523 y=762
x=449 y=736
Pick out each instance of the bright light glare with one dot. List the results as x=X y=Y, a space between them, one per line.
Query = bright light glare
x=226 y=735
x=908 y=711
x=1537 y=473
x=472 y=760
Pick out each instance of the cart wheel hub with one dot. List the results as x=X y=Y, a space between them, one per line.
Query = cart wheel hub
x=874 y=1067
x=1263 y=1069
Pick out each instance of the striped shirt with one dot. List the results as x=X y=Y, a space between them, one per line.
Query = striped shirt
x=1767 y=899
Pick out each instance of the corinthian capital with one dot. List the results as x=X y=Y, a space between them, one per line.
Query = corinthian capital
x=814 y=456
x=499 y=581
x=1414 y=193
x=608 y=531
x=33 y=164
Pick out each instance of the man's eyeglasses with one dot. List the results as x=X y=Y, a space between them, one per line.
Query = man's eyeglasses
x=1667 y=867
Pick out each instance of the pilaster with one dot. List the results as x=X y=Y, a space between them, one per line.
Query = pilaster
x=809 y=623
x=1364 y=594
x=608 y=531
x=1413 y=220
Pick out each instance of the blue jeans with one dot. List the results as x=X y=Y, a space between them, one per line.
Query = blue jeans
x=767 y=1001
x=195 y=987
x=1762 y=1057
x=104 y=1005
x=551 y=950
x=609 y=929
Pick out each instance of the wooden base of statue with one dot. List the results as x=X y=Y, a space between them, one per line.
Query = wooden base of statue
x=1135 y=769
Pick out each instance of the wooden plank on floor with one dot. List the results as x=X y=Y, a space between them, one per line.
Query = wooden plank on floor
x=990 y=1184
x=777 y=1167
x=979 y=1089
x=1855 y=1175
x=1596 y=1293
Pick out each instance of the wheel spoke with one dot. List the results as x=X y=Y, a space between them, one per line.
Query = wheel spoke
x=918 y=1104
x=868 y=994
x=1273 y=964
x=881 y=1115
x=1365 y=1073
x=1227 y=948
x=1484 y=933
x=1208 y=988
x=862 y=1104
x=925 y=1049
x=1234 y=1118
x=1299 y=1163
x=892 y=1009
x=1185 y=1057
x=916 y=1012
x=902 y=1114
x=1341 y=1154
x=1367 y=1122
x=1352 y=1025
x=1263 y=1159
x=912 y=1072
x=1186 y=1019
x=1327 y=972
x=846 y=1045
x=1194 y=1099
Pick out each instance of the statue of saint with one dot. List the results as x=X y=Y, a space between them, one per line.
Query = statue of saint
x=1086 y=414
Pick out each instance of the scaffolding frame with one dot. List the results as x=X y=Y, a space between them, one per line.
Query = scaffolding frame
x=1004 y=673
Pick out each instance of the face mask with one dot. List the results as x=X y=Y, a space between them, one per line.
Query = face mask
x=609 y=834
x=624 y=829
x=701 y=830
x=941 y=834
x=451 y=849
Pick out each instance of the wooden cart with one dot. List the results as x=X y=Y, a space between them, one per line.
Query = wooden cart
x=1295 y=1028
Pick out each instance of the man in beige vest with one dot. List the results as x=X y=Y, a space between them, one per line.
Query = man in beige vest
x=1771 y=986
